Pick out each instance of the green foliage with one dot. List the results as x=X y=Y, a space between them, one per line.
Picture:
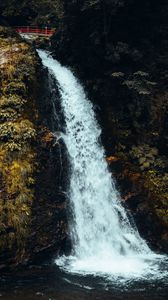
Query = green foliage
x=139 y=83
x=117 y=74
x=156 y=182
x=12 y=101
x=147 y=157
x=15 y=87
x=17 y=137
x=157 y=185
x=17 y=132
x=37 y=12
x=8 y=114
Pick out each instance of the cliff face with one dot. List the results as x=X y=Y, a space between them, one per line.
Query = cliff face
x=32 y=208
x=119 y=50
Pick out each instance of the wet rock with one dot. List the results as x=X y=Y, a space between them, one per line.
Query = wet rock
x=32 y=209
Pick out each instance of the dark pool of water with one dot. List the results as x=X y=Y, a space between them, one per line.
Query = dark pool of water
x=50 y=283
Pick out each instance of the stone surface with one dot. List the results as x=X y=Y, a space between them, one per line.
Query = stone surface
x=32 y=205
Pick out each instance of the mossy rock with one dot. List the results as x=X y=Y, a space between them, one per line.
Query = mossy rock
x=18 y=131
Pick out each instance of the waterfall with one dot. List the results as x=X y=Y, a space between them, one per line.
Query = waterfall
x=104 y=241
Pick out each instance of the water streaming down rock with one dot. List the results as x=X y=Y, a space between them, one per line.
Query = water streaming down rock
x=104 y=240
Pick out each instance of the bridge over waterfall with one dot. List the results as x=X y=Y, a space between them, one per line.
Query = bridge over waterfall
x=36 y=31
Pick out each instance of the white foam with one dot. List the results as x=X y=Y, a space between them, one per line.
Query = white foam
x=104 y=240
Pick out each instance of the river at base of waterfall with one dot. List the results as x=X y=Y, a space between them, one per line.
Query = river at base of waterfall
x=51 y=283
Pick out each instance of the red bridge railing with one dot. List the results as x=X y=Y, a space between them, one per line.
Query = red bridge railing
x=46 y=31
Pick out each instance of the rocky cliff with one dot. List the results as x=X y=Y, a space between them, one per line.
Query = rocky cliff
x=119 y=50
x=32 y=207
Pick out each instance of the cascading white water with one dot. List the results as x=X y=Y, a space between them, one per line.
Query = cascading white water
x=104 y=240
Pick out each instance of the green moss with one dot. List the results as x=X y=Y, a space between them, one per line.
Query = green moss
x=152 y=180
x=17 y=137
x=8 y=114
x=147 y=157
x=14 y=87
x=156 y=184
x=12 y=101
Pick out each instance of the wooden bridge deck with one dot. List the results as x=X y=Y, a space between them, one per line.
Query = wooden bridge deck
x=36 y=31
